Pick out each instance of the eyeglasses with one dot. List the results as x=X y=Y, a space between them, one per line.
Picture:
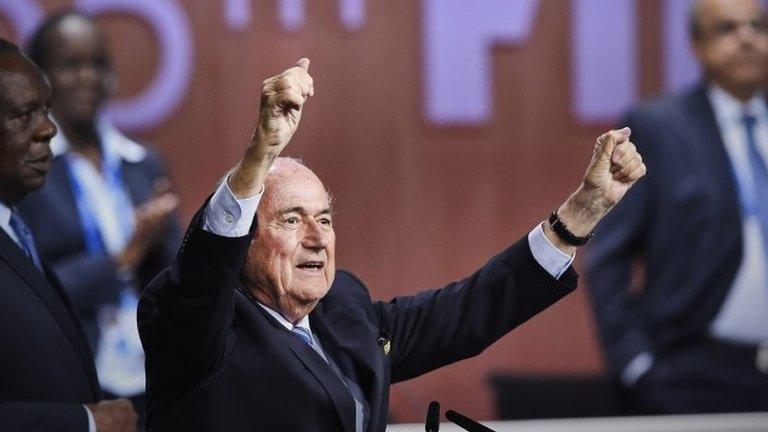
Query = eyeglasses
x=727 y=28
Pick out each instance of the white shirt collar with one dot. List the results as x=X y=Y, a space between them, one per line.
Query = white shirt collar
x=303 y=323
x=5 y=221
x=728 y=109
x=124 y=147
x=5 y=214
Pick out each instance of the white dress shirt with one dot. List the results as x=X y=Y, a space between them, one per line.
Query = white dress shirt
x=5 y=222
x=743 y=316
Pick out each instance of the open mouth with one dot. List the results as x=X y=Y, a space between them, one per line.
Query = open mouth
x=311 y=265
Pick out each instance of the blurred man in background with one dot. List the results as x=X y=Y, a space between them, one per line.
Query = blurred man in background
x=46 y=370
x=105 y=218
x=678 y=273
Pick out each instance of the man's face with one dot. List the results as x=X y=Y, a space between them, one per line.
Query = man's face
x=25 y=129
x=79 y=69
x=291 y=258
x=733 y=44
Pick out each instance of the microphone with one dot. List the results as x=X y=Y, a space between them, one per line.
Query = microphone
x=433 y=417
x=466 y=423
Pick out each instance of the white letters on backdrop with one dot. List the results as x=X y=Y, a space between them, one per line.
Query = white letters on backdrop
x=457 y=39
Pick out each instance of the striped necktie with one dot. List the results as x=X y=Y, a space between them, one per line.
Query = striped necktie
x=361 y=405
x=304 y=334
x=758 y=201
x=25 y=240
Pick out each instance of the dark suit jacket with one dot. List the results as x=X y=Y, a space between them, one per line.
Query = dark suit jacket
x=92 y=281
x=217 y=361
x=46 y=371
x=682 y=223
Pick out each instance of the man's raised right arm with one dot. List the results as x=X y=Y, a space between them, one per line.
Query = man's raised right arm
x=189 y=309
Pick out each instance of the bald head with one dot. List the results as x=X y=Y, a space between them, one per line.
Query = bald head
x=287 y=172
x=46 y=41
x=72 y=50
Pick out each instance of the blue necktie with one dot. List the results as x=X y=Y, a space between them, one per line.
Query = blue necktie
x=26 y=241
x=304 y=334
x=757 y=203
x=361 y=406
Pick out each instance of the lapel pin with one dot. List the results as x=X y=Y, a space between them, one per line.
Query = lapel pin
x=385 y=345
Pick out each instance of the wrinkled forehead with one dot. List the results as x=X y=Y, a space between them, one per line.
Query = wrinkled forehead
x=292 y=185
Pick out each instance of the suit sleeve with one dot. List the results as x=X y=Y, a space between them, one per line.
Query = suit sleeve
x=618 y=244
x=438 y=327
x=185 y=314
x=42 y=417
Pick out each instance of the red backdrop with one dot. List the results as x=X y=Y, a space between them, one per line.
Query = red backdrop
x=417 y=205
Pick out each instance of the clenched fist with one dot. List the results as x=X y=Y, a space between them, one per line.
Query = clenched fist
x=616 y=165
x=282 y=99
x=282 y=102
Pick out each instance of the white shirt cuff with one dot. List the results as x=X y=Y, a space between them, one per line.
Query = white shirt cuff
x=91 y=421
x=228 y=216
x=636 y=368
x=549 y=257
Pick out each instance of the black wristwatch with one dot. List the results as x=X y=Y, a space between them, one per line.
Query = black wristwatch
x=565 y=234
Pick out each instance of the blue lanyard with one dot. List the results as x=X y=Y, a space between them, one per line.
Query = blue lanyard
x=94 y=242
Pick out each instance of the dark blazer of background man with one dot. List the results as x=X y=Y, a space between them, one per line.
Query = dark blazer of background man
x=688 y=339
x=46 y=371
x=256 y=329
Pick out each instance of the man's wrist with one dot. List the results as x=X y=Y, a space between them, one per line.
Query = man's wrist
x=582 y=211
x=247 y=178
x=565 y=234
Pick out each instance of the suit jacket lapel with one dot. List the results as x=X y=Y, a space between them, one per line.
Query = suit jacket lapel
x=355 y=351
x=337 y=391
x=709 y=141
x=55 y=300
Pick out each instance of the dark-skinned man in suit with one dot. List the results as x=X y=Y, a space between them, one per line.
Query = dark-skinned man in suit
x=104 y=219
x=47 y=378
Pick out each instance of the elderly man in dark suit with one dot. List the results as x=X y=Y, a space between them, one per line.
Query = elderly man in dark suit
x=253 y=328
x=688 y=332
x=47 y=377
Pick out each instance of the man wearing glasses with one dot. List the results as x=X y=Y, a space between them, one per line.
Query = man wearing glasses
x=678 y=273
